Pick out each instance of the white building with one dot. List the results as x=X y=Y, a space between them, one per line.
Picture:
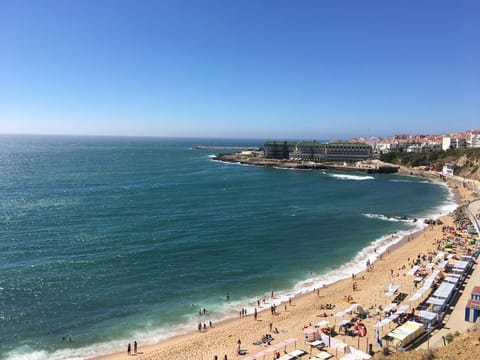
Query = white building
x=453 y=143
x=448 y=169
x=446 y=143
x=474 y=138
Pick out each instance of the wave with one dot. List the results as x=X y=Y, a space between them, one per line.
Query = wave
x=352 y=177
x=412 y=181
x=228 y=311
x=388 y=218
x=292 y=169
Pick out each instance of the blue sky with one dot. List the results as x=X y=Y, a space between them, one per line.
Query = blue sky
x=248 y=69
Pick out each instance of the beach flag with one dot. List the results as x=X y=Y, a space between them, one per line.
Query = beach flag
x=379 y=341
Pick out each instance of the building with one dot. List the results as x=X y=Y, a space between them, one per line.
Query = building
x=448 y=169
x=474 y=138
x=278 y=150
x=472 y=310
x=317 y=152
x=454 y=143
x=446 y=143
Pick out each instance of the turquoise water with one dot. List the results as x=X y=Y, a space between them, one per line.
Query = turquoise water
x=107 y=240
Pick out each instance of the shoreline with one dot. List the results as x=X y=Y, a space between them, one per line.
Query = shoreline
x=171 y=345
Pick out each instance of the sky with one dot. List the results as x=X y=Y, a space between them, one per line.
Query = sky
x=273 y=69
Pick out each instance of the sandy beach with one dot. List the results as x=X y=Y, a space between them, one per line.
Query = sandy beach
x=292 y=318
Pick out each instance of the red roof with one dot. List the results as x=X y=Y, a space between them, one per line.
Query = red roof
x=473 y=304
x=476 y=290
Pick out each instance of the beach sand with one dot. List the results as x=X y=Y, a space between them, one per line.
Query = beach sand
x=304 y=310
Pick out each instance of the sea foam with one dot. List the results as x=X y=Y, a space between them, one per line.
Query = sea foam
x=352 y=177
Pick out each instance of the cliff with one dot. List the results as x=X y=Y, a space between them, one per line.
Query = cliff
x=467 y=161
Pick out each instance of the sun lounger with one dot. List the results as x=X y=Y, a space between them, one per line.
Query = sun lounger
x=297 y=353
x=324 y=355
x=317 y=344
x=287 y=357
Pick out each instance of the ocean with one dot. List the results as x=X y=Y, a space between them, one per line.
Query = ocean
x=106 y=240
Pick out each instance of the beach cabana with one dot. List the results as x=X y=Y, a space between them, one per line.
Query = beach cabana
x=444 y=291
x=402 y=309
x=438 y=304
x=405 y=334
x=460 y=267
x=428 y=317
x=390 y=307
x=455 y=280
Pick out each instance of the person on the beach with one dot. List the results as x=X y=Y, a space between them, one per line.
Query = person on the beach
x=129 y=349
x=135 y=347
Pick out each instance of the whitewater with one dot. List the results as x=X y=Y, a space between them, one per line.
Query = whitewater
x=107 y=240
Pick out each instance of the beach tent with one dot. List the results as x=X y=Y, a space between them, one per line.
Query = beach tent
x=390 y=307
x=405 y=334
x=402 y=309
x=428 y=317
x=438 y=304
x=392 y=289
x=356 y=354
x=460 y=267
x=452 y=280
x=382 y=323
x=444 y=291
x=347 y=310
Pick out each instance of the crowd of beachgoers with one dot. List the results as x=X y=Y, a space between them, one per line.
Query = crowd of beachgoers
x=357 y=315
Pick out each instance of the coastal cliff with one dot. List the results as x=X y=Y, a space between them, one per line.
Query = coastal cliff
x=467 y=161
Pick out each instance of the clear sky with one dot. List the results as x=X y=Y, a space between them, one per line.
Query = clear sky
x=239 y=68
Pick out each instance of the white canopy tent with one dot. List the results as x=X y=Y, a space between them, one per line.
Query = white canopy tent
x=428 y=316
x=444 y=291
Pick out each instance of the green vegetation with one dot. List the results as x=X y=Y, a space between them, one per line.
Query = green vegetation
x=466 y=160
x=449 y=338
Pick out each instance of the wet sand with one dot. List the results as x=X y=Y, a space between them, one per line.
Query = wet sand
x=305 y=310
